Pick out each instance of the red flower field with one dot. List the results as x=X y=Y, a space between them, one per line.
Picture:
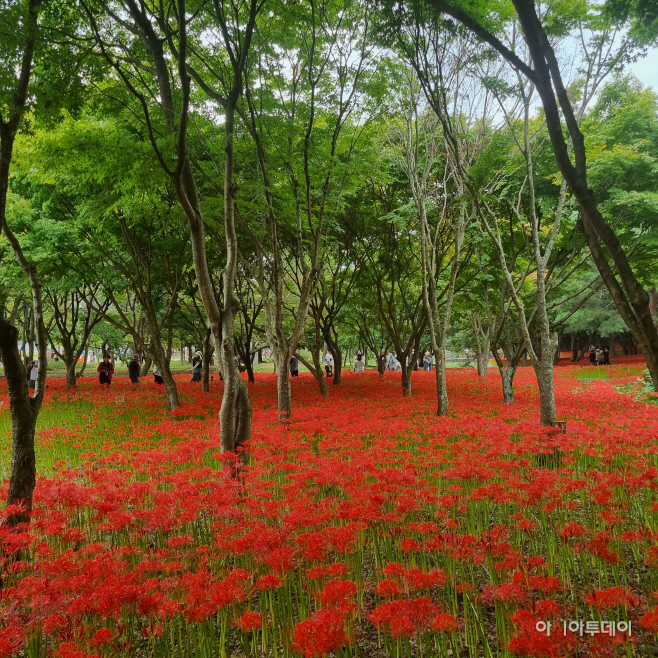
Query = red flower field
x=368 y=527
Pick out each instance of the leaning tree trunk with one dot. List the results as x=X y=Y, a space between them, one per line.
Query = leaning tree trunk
x=84 y=363
x=169 y=384
x=318 y=373
x=249 y=367
x=146 y=366
x=507 y=374
x=24 y=412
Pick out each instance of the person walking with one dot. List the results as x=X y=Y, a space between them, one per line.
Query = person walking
x=294 y=366
x=606 y=356
x=133 y=370
x=391 y=360
x=359 y=363
x=197 y=366
x=105 y=370
x=32 y=374
x=157 y=377
x=592 y=355
x=329 y=364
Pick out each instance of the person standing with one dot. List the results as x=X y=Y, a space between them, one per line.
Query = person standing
x=197 y=366
x=105 y=370
x=391 y=360
x=381 y=363
x=329 y=364
x=32 y=374
x=294 y=366
x=157 y=377
x=359 y=363
x=133 y=370
x=592 y=355
x=427 y=362
x=606 y=356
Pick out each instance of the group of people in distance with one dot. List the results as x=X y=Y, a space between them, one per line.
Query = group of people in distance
x=598 y=356
x=105 y=371
x=390 y=362
x=423 y=362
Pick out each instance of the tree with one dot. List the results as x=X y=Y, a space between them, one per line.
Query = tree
x=20 y=38
x=609 y=255
x=153 y=36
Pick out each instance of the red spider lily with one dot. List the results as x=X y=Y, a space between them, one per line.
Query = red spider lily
x=139 y=517
x=250 y=621
x=406 y=617
x=611 y=598
x=324 y=632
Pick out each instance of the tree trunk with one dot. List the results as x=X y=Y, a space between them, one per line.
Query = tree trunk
x=441 y=381
x=24 y=412
x=249 y=367
x=70 y=374
x=146 y=366
x=338 y=363
x=207 y=354
x=84 y=362
x=316 y=370
x=544 y=373
x=284 y=392
x=574 y=347
x=483 y=355
x=507 y=375
x=557 y=354
x=406 y=377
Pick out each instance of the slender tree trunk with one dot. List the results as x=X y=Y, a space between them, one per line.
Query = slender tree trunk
x=557 y=354
x=574 y=347
x=284 y=392
x=544 y=375
x=207 y=355
x=406 y=377
x=338 y=364
x=441 y=380
x=24 y=412
x=84 y=362
x=249 y=367
x=318 y=372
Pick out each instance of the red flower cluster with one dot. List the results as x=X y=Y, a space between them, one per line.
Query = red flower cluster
x=456 y=531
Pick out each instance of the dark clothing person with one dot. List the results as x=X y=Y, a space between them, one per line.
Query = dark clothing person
x=592 y=357
x=197 y=366
x=157 y=376
x=133 y=370
x=105 y=371
x=606 y=356
x=294 y=366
